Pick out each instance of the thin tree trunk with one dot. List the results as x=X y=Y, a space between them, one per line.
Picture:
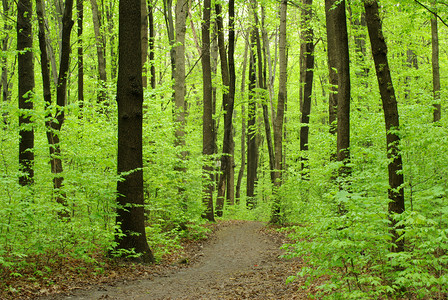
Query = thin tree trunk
x=228 y=115
x=26 y=90
x=145 y=42
x=4 y=61
x=243 y=126
x=130 y=200
x=332 y=67
x=207 y=118
x=80 y=10
x=379 y=52
x=100 y=51
x=307 y=84
x=110 y=28
x=167 y=12
x=228 y=121
x=435 y=69
x=54 y=127
x=152 y=45
x=252 y=146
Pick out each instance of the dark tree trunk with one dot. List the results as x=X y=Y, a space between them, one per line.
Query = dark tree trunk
x=112 y=50
x=168 y=14
x=332 y=61
x=54 y=127
x=4 y=61
x=207 y=118
x=307 y=83
x=80 y=10
x=379 y=52
x=130 y=212
x=243 y=126
x=228 y=103
x=228 y=121
x=343 y=89
x=145 y=42
x=152 y=36
x=225 y=159
x=252 y=147
x=26 y=90
x=100 y=51
x=435 y=69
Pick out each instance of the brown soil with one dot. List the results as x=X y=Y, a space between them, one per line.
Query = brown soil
x=240 y=261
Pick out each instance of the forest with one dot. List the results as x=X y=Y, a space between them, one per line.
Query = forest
x=129 y=126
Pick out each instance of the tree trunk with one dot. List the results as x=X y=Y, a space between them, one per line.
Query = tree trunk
x=130 y=200
x=80 y=10
x=252 y=147
x=100 y=51
x=307 y=84
x=379 y=52
x=179 y=94
x=207 y=118
x=152 y=45
x=281 y=103
x=168 y=14
x=243 y=126
x=145 y=43
x=110 y=28
x=228 y=120
x=332 y=74
x=343 y=89
x=26 y=90
x=4 y=61
x=435 y=69
x=228 y=103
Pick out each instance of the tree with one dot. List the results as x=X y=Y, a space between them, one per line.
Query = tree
x=100 y=50
x=435 y=68
x=387 y=92
x=278 y=124
x=26 y=90
x=207 y=117
x=307 y=49
x=338 y=41
x=252 y=147
x=130 y=199
x=80 y=10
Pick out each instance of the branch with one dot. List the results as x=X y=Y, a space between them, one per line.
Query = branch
x=432 y=12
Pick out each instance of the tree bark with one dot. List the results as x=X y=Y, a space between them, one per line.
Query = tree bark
x=168 y=14
x=308 y=55
x=26 y=90
x=80 y=11
x=6 y=94
x=281 y=103
x=207 y=118
x=243 y=126
x=152 y=45
x=332 y=61
x=145 y=42
x=435 y=69
x=130 y=200
x=252 y=146
x=100 y=51
x=395 y=168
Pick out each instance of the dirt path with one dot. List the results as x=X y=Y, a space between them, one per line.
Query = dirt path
x=240 y=262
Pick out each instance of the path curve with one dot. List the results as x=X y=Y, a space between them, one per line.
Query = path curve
x=240 y=262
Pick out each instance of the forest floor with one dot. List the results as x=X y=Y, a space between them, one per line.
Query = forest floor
x=239 y=260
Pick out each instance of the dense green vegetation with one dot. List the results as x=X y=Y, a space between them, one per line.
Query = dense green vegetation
x=349 y=253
